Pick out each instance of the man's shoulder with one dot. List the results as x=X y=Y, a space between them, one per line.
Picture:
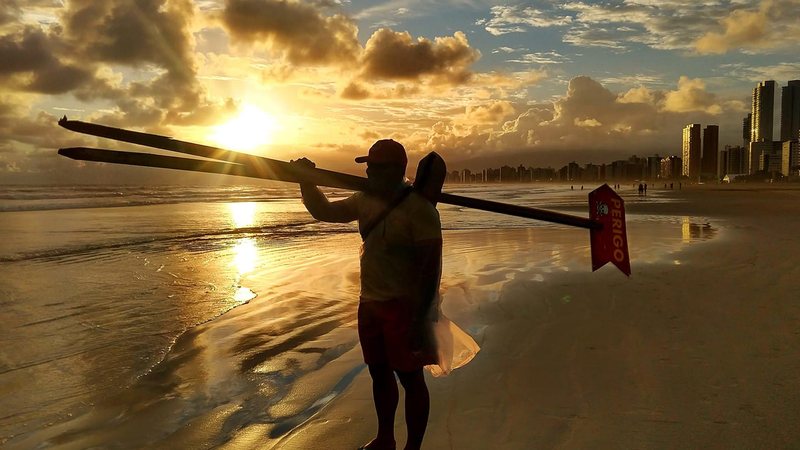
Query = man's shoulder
x=421 y=209
x=418 y=200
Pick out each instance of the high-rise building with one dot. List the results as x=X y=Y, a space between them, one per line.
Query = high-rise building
x=746 y=122
x=709 y=161
x=690 y=154
x=790 y=157
x=790 y=110
x=736 y=163
x=763 y=105
x=653 y=167
x=670 y=168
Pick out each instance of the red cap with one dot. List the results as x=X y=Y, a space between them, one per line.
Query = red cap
x=385 y=151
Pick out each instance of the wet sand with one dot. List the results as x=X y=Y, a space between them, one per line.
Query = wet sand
x=698 y=349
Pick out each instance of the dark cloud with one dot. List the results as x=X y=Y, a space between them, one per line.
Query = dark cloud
x=355 y=91
x=25 y=52
x=57 y=78
x=151 y=34
x=134 y=33
x=32 y=52
x=9 y=11
x=391 y=55
x=139 y=33
x=297 y=30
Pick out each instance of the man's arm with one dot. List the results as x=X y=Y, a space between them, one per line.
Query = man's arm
x=317 y=203
x=321 y=208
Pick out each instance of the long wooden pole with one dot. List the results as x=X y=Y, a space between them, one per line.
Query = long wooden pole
x=299 y=174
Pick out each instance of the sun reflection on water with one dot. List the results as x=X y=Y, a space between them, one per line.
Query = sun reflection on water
x=243 y=214
x=245 y=256
x=245 y=260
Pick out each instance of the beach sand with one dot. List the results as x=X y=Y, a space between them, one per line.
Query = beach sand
x=697 y=349
x=700 y=348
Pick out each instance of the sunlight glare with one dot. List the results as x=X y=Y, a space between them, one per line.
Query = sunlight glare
x=250 y=129
x=243 y=214
x=245 y=256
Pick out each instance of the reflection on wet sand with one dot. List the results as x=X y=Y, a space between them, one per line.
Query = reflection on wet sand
x=245 y=251
x=245 y=256
x=691 y=231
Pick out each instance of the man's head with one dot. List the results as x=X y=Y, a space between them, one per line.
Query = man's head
x=386 y=165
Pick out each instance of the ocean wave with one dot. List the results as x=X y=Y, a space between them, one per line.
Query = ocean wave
x=82 y=252
x=44 y=198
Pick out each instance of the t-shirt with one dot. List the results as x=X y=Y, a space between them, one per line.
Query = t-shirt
x=388 y=254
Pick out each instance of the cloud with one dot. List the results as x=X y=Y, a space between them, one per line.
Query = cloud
x=507 y=50
x=774 y=24
x=9 y=11
x=493 y=112
x=134 y=33
x=592 y=36
x=541 y=58
x=589 y=123
x=513 y=19
x=691 y=96
x=391 y=55
x=638 y=95
x=782 y=71
x=355 y=91
x=154 y=36
x=29 y=58
x=297 y=31
x=636 y=79
x=681 y=25
x=358 y=91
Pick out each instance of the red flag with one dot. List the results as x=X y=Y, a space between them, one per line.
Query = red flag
x=609 y=243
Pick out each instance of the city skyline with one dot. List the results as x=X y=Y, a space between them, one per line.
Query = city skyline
x=478 y=82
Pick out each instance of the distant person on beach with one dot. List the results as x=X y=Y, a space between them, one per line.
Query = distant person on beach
x=401 y=258
x=641 y=188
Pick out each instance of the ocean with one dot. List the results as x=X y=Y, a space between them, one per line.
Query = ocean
x=132 y=308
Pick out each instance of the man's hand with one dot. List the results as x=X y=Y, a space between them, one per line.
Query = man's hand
x=305 y=162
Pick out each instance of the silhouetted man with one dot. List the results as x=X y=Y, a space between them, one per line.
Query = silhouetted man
x=400 y=273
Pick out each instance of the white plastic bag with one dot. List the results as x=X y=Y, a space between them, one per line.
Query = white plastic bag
x=454 y=347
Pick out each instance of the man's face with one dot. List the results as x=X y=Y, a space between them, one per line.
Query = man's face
x=384 y=178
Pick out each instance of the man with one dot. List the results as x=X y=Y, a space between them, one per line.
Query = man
x=400 y=273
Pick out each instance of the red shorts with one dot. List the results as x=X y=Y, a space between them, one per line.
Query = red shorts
x=384 y=329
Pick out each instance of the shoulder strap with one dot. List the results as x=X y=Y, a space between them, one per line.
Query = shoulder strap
x=379 y=218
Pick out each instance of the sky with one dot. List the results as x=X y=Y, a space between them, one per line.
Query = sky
x=539 y=83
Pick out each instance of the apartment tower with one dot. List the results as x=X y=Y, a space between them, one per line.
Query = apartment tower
x=790 y=111
x=690 y=154
x=709 y=166
x=763 y=106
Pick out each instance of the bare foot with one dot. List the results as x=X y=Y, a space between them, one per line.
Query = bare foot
x=375 y=444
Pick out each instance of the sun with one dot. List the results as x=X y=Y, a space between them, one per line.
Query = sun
x=248 y=130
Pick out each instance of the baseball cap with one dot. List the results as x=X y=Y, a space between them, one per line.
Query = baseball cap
x=385 y=151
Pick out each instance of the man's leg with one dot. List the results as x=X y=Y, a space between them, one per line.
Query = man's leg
x=385 y=395
x=417 y=406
